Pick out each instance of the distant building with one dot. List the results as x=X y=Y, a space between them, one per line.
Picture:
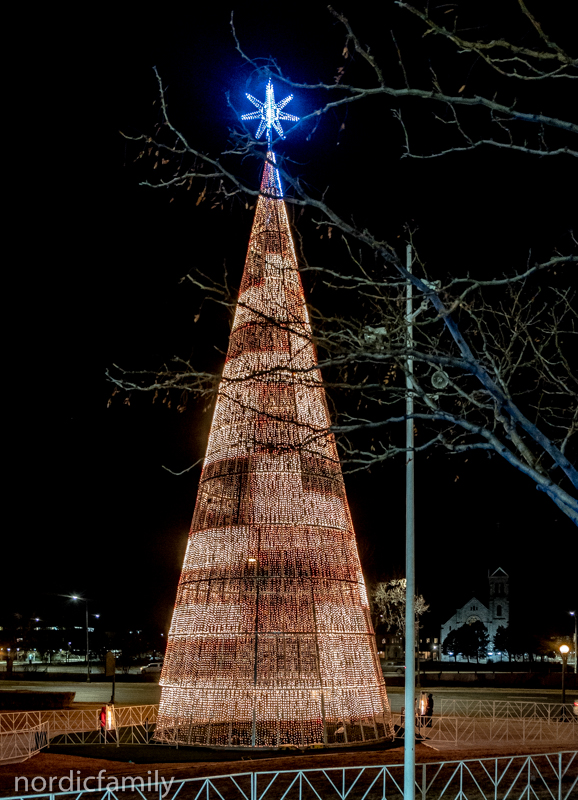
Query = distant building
x=496 y=613
x=429 y=648
x=390 y=647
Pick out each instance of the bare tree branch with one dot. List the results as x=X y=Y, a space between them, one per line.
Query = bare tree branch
x=500 y=344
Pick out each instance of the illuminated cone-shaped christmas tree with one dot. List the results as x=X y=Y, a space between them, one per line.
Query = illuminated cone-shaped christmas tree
x=271 y=641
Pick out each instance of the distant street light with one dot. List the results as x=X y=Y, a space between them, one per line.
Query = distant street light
x=564 y=650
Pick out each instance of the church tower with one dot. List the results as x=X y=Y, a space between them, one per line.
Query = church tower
x=499 y=605
x=271 y=641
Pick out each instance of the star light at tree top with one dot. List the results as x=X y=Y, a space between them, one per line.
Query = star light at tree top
x=270 y=113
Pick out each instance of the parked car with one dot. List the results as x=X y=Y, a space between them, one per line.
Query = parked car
x=154 y=666
x=575 y=707
x=392 y=667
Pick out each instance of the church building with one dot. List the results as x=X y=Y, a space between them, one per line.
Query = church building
x=496 y=613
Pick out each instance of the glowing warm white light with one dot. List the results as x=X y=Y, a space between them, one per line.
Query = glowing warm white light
x=110 y=718
x=564 y=649
x=271 y=641
x=270 y=113
x=423 y=704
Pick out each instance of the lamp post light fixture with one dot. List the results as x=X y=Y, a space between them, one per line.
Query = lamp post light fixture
x=564 y=650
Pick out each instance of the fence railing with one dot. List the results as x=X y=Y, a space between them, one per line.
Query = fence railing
x=487 y=730
x=552 y=775
x=135 y=725
x=20 y=745
x=65 y=721
x=514 y=709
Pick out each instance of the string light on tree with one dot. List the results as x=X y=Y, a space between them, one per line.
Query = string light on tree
x=271 y=641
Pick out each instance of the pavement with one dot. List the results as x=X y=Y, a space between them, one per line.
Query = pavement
x=149 y=693
x=126 y=694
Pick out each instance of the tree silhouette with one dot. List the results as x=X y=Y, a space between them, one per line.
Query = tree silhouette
x=502 y=641
x=450 y=645
x=470 y=641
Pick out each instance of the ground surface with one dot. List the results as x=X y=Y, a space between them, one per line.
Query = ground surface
x=191 y=762
x=149 y=693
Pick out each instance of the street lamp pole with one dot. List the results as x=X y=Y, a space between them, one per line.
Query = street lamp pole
x=409 y=723
x=564 y=650
x=573 y=614
x=87 y=647
x=75 y=597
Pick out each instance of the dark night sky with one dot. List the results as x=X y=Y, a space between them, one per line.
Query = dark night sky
x=109 y=520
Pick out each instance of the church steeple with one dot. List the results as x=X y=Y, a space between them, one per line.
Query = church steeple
x=499 y=605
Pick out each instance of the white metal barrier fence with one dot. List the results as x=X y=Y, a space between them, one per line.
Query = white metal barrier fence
x=19 y=745
x=514 y=709
x=135 y=724
x=66 y=720
x=553 y=775
x=487 y=730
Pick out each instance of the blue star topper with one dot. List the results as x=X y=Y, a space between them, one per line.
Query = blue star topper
x=270 y=113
